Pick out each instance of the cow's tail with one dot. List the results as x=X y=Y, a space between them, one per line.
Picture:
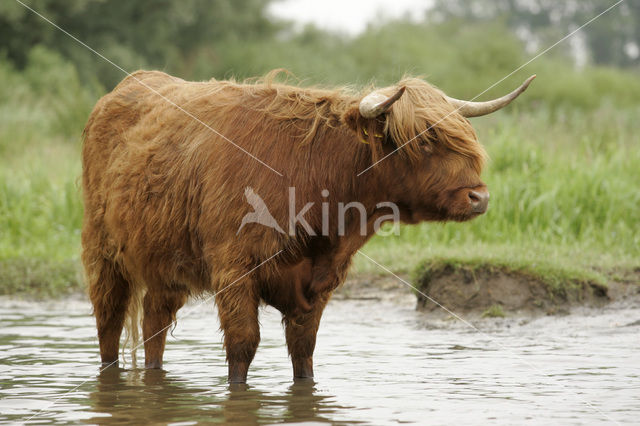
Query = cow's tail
x=132 y=326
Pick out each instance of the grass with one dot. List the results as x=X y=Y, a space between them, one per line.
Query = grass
x=39 y=277
x=493 y=311
x=564 y=191
x=40 y=219
x=41 y=119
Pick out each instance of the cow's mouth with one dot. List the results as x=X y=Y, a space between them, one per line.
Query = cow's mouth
x=464 y=204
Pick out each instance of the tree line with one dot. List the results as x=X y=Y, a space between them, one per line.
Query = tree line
x=462 y=46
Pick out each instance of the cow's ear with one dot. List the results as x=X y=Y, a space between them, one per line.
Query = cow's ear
x=351 y=118
x=367 y=130
x=357 y=123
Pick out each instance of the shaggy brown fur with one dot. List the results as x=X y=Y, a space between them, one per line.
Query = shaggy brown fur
x=164 y=199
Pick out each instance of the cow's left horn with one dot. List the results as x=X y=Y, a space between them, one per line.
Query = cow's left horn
x=375 y=103
x=476 y=109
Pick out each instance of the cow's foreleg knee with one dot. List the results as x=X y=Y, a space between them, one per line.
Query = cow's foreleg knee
x=301 y=331
x=160 y=308
x=238 y=311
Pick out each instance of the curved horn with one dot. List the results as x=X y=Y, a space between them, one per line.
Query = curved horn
x=375 y=103
x=476 y=109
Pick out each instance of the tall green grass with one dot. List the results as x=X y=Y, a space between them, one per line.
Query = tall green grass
x=42 y=113
x=564 y=182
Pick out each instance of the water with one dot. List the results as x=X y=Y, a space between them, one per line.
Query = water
x=377 y=362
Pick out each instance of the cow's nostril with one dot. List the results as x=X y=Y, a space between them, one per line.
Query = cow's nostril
x=479 y=200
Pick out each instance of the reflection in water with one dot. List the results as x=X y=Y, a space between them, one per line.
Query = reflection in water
x=132 y=396
x=376 y=363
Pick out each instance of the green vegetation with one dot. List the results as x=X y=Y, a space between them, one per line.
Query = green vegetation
x=565 y=160
x=494 y=311
x=548 y=21
x=40 y=277
x=41 y=120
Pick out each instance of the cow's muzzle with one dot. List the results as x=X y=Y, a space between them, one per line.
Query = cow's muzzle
x=478 y=200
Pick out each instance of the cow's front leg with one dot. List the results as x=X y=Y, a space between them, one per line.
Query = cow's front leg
x=326 y=276
x=238 y=310
x=300 y=331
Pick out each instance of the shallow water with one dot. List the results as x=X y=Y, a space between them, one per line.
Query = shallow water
x=376 y=362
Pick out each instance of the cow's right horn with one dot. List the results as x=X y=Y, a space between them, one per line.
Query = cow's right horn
x=375 y=103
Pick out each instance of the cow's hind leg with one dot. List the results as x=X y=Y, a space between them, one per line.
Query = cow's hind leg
x=238 y=310
x=160 y=308
x=301 y=331
x=109 y=292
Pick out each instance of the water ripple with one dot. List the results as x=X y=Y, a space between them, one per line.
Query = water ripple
x=376 y=363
